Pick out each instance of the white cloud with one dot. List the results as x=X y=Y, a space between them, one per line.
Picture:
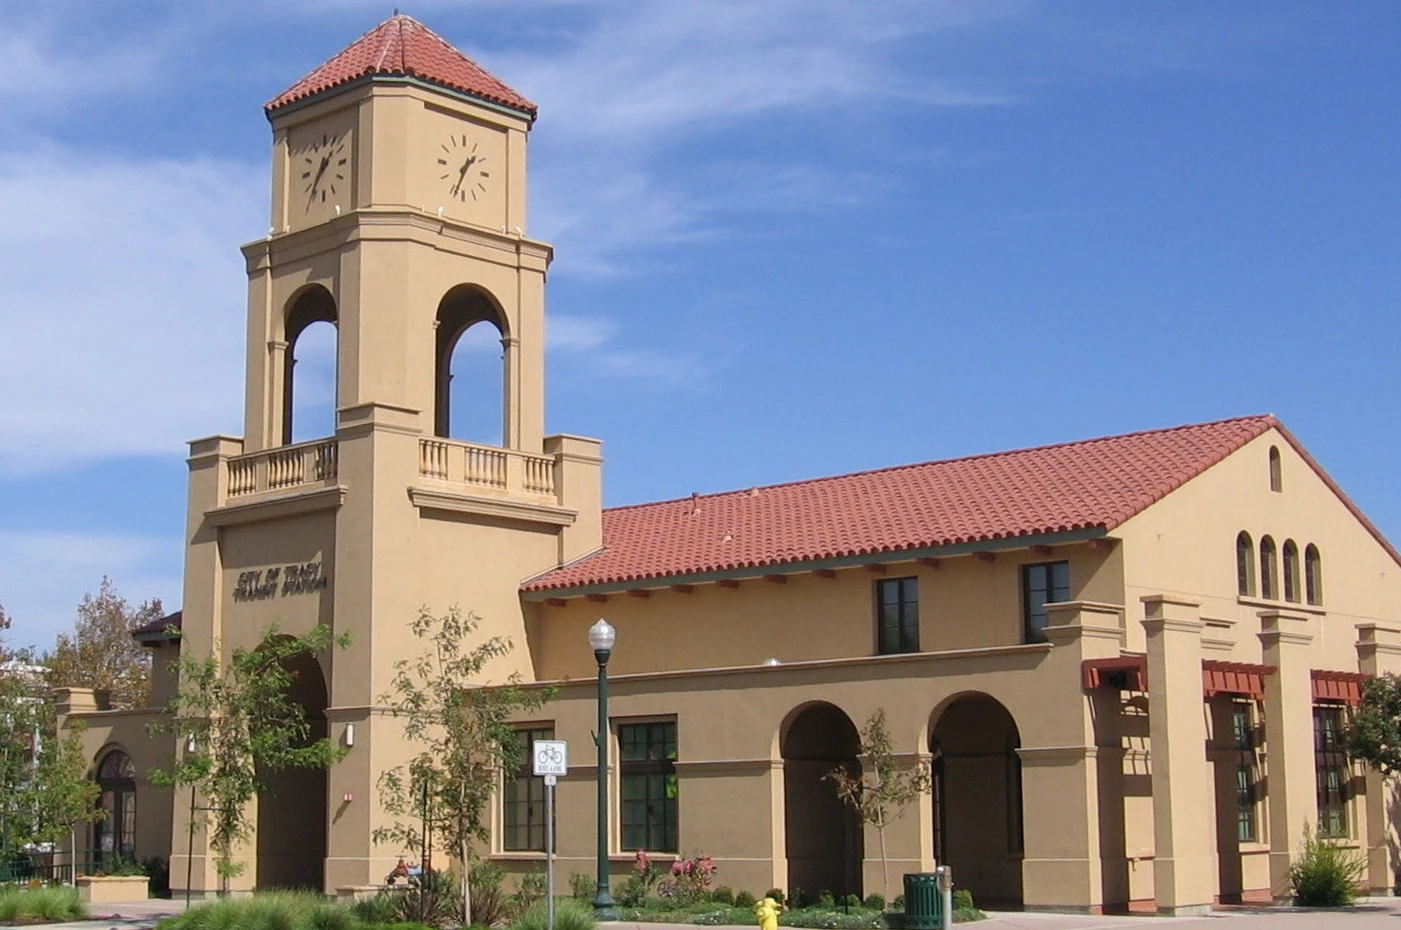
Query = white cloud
x=121 y=303
x=71 y=565
x=576 y=333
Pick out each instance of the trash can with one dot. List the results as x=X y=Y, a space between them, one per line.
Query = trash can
x=923 y=910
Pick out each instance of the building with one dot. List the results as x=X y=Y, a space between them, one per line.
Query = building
x=1119 y=655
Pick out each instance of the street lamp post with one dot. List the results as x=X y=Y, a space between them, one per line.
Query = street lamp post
x=601 y=638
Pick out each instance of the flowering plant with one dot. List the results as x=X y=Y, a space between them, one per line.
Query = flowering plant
x=647 y=871
x=690 y=879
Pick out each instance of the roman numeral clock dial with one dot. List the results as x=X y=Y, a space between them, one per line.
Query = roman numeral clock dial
x=463 y=169
x=324 y=170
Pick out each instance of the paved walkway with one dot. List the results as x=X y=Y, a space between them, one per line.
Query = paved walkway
x=1370 y=914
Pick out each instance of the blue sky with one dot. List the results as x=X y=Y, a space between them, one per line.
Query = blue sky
x=794 y=238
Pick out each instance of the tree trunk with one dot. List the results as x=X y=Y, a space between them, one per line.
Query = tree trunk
x=72 y=856
x=466 y=887
x=884 y=861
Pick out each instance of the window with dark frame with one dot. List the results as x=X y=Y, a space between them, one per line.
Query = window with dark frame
x=114 y=835
x=1042 y=583
x=1245 y=565
x=1313 y=575
x=523 y=800
x=1269 y=570
x=647 y=765
x=897 y=615
x=1334 y=782
x=1290 y=556
x=1276 y=470
x=1243 y=738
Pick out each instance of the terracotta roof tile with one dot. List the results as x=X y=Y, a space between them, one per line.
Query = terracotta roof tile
x=401 y=46
x=1096 y=483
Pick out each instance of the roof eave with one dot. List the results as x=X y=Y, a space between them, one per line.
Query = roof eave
x=274 y=110
x=889 y=557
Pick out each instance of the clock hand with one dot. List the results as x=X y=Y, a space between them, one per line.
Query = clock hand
x=462 y=173
x=319 y=172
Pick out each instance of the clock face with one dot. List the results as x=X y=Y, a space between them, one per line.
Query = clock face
x=463 y=168
x=324 y=170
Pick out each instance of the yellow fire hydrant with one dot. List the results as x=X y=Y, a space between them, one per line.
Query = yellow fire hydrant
x=767 y=912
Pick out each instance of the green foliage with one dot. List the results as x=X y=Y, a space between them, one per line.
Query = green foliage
x=59 y=794
x=825 y=900
x=1375 y=733
x=962 y=899
x=434 y=900
x=488 y=902
x=463 y=733
x=159 y=871
x=963 y=915
x=745 y=900
x=778 y=896
x=631 y=892
x=797 y=899
x=531 y=890
x=582 y=886
x=1325 y=875
x=381 y=909
x=898 y=904
x=892 y=785
x=874 y=902
x=234 y=720
x=119 y=866
x=57 y=902
x=821 y=919
x=569 y=915
x=723 y=895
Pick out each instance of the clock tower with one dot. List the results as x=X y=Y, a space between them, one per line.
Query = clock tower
x=398 y=216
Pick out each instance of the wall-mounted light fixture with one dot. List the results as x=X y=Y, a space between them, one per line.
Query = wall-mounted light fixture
x=349 y=735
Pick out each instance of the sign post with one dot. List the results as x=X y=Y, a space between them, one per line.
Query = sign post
x=550 y=758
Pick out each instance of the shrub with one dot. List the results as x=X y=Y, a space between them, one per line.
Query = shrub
x=798 y=899
x=434 y=901
x=898 y=904
x=58 y=902
x=725 y=917
x=631 y=893
x=723 y=895
x=569 y=915
x=1325 y=875
x=874 y=902
x=963 y=899
x=484 y=882
x=381 y=909
x=530 y=890
x=777 y=895
x=825 y=900
x=582 y=887
x=745 y=900
x=832 y=920
x=159 y=870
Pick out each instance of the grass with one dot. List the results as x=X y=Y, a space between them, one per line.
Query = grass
x=58 y=902
x=277 y=910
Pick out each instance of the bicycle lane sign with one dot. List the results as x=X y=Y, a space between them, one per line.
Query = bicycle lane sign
x=549 y=757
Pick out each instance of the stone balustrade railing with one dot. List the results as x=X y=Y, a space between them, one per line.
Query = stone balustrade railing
x=285 y=467
x=486 y=467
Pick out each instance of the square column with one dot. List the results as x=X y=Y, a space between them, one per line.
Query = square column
x=1291 y=799
x=1379 y=653
x=1184 y=863
x=1062 y=857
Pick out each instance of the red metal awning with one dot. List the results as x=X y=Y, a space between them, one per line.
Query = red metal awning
x=1123 y=673
x=1242 y=678
x=1345 y=687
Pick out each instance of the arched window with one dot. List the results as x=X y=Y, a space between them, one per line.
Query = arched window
x=470 y=368
x=1276 y=472
x=1291 y=571
x=1269 y=570
x=1245 y=565
x=1313 y=575
x=309 y=375
x=114 y=836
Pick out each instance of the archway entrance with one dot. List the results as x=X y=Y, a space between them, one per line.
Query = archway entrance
x=978 y=798
x=114 y=835
x=292 y=809
x=823 y=835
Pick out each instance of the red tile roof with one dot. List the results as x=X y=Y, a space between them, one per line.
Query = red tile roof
x=401 y=46
x=1086 y=485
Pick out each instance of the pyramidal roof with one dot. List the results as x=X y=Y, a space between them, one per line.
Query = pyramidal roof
x=401 y=46
x=1090 y=485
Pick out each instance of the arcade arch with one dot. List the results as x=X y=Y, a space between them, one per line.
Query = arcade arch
x=309 y=366
x=470 y=367
x=823 y=836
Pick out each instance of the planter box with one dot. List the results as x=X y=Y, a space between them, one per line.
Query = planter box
x=113 y=889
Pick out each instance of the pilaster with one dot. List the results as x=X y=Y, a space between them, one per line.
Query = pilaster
x=1063 y=823
x=1379 y=653
x=1184 y=863
x=1289 y=769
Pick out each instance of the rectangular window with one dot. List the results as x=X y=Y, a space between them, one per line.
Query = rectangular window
x=523 y=801
x=648 y=767
x=897 y=615
x=1333 y=780
x=1243 y=737
x=1042 y=583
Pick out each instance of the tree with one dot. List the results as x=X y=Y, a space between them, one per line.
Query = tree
x=1375 y=734
x=882 y=792
x=464 y=736
x=100 y=653
x=235 y=721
